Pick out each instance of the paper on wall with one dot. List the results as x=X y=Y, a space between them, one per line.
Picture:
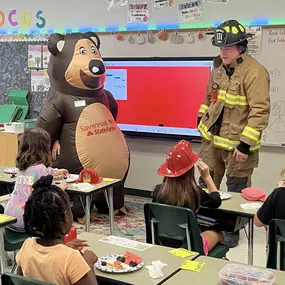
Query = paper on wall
x=37 y=80
x=116 y=3
x=46 y=56
x=126 y=243
x=160 y=4
x=217 y=1
x=190 y=11
x=34 y=56
x=46 y=81
x=138 y=13
x=254 y=44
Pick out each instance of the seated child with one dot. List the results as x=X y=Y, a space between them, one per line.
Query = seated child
x=273 y=205
x=179 y=187
x=48 y=218
x=33 y=161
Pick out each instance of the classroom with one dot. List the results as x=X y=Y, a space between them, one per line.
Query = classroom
x=142 y=142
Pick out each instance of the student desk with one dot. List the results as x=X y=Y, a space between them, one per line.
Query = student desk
x=209 y=275
x=6 y=178
x=107 y=187
x=140 y=277
x=232 y=206
x=4 y=221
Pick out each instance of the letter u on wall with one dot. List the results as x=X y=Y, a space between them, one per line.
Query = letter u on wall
x=26 y=22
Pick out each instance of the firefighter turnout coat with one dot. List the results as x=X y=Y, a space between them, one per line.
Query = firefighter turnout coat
x=240 y=102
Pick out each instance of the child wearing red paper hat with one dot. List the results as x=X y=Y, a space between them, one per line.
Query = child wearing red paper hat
x=179 y=187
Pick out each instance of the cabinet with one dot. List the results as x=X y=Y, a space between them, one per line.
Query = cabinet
x=9 y=145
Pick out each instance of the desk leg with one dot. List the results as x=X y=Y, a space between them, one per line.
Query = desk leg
x=111 y=210
x=250 y=241
x=2 y=252
x=87 y=213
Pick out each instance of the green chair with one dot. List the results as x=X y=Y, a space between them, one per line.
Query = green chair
x=276 y=244
x=176 y=227
x=13 y=242
x=12 y=279
x=20 y=98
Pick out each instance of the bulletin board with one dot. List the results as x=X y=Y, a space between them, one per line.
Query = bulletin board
x=16 y=75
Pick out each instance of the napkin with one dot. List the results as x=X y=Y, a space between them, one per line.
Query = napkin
x=155 y=269
x=84 y=186
x=251 y=206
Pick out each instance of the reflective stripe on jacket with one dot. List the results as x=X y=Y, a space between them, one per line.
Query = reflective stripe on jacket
x=244 y=100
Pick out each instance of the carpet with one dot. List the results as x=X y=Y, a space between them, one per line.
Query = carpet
x=130 y=226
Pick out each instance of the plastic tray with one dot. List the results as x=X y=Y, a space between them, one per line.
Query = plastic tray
x=237 y=274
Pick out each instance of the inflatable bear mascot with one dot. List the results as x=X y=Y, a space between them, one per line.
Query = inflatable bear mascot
x=79 y=114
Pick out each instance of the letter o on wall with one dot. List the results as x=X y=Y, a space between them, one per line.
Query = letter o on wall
x=2 y=18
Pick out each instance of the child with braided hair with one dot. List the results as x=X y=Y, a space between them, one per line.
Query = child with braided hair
x=47 y=219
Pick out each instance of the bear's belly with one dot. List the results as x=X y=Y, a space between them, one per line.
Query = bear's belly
x=100 y=143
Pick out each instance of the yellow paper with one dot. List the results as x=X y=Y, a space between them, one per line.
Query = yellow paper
x=5 y=218
x=192 y=265
x=108 y=179
x=181 y=252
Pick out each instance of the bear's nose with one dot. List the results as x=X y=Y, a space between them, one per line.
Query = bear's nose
x=96 y=67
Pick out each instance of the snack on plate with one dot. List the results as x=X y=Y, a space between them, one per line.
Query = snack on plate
x=132 y=259
x=120 y=263
x=237 y=274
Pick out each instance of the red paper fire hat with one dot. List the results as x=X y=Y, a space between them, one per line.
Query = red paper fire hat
x=89 y=175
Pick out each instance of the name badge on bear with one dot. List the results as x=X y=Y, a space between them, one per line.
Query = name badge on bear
x=80 y=103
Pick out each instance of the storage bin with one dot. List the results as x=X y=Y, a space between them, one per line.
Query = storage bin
x=16 y=128
x=238 y=274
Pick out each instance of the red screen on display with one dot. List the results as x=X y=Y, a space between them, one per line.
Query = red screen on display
x=162 y=95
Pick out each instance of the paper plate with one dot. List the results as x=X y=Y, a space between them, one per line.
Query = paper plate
x=225 y=195
x=69 y=179
x=10 y=170
x=110 y=268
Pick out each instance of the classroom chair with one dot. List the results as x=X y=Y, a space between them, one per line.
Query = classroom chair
x=13 y=279
x=176 y=227
x=276 y=244
x=13 y=242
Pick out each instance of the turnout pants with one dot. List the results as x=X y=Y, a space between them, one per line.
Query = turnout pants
x=221 y=162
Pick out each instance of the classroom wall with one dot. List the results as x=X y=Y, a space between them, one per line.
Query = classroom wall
x=147 y=155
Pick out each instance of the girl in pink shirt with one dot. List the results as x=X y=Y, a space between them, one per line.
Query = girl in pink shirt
x=33 y=161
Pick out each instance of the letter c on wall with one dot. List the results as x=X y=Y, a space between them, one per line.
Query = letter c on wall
x=11 y=14
x=2 y=20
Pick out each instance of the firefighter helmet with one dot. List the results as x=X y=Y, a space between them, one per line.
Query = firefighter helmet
x=230 y=33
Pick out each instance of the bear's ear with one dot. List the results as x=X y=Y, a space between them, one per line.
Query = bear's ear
x=56 y=43
x=94 y=38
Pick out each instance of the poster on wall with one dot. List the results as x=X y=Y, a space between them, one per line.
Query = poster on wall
x=138 y=13
x=217 y=1
x=46 y=81
x=35 y=56
x=37 y=80
x=46 y=56
x=161 y=4
x=116 y=3
x=254 y=43
x=190 y=11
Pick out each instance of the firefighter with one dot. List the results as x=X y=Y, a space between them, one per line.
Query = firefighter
x=236 y=109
